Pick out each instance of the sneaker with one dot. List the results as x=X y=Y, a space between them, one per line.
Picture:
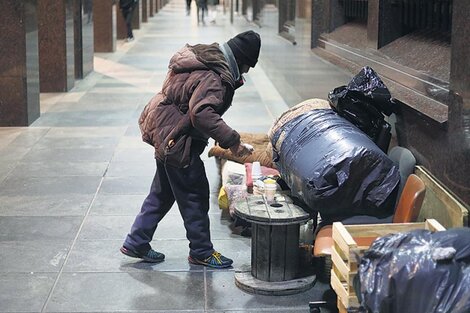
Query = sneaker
x=149 y=256
x=129 y=39
x=215 y=260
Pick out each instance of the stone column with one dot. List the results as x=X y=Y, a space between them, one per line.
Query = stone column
x=121 y=31
x=19 y=63
x=457 y=155
x=104 y=25
x=56 y=45
x=151 y=8
x=145 y=11
x=84 y=48
x=383 y=25
x=137 y=16
x=327 y=15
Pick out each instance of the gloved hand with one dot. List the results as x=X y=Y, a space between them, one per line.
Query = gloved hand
x=241 y=149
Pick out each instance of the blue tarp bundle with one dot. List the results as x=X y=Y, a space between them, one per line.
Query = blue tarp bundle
x=417 y=271
x=334 y=167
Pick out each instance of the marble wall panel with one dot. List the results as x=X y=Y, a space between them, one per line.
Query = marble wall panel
x=145 y=10
x=56 y=45
x=460 y=53
x=121 y=29
x=84 y=48
x=446 y=151
x=104 y=25
x=19 y=63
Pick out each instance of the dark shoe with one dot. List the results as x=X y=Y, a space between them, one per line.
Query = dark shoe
x=215 y=260
x=149 y=256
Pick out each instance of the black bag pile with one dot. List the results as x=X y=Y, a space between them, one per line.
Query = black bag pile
x=418 y=271
x=333 y=167
x=363 y=102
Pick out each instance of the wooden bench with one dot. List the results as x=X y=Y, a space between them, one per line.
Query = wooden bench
x=274 y=246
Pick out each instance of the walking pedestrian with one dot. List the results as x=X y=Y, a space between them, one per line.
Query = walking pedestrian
x=188 y=7
x=212 y=5
x=127 y=9
x=178 y=121
x=201 y=11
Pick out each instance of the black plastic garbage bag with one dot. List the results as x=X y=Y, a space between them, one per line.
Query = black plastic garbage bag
x=417 y=271
x=334 y=167
x=363 y=102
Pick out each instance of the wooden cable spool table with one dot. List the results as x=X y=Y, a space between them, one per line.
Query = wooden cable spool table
x=274 y=246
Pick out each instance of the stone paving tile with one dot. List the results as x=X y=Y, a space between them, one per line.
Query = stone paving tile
x=45 y=205
x=33 y=256
x=133 y=291
x=127 y=169
x=171 y=227
x=24 y=292
x=69 y=155
x=105 y=204
x=135 y=155
x=39 y=228
x=85 y=118
x=223 y=294
x=130 y=185
x=49 y=142
x=106 y=257
x=40 y=186
x=85 y=132
x=58 y=168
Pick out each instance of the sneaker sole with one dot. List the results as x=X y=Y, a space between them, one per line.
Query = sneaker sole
x=197 y=262
x=134 y=255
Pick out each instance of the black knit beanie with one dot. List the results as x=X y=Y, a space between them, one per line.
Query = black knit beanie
x=245 y=47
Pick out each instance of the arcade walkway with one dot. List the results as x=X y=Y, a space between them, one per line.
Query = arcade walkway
x=72 y=183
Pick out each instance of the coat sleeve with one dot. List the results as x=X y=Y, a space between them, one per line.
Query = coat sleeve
x=205 y=104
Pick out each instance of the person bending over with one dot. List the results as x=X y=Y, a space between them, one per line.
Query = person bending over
x=177 y=122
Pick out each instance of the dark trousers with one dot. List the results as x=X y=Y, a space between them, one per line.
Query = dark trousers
x=190 y=188
x=127 y=13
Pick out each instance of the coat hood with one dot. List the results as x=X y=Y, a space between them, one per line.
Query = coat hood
x=186 y=61
x=202 y=57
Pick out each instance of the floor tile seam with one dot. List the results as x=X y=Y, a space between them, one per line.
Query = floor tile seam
x=5 y=177
x=71 y=247
x=133 y=271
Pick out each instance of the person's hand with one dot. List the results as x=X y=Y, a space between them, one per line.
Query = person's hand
x=241 y=149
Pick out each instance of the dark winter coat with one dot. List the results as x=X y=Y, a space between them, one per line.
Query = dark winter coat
x=197 y=91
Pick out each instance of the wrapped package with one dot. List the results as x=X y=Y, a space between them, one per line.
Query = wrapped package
x=364 y=102
x=417 y=271
x=333 y=167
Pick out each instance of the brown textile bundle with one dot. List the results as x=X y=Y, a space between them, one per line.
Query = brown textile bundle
x=261 y=142
x=301 y=108
x=263 y=150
